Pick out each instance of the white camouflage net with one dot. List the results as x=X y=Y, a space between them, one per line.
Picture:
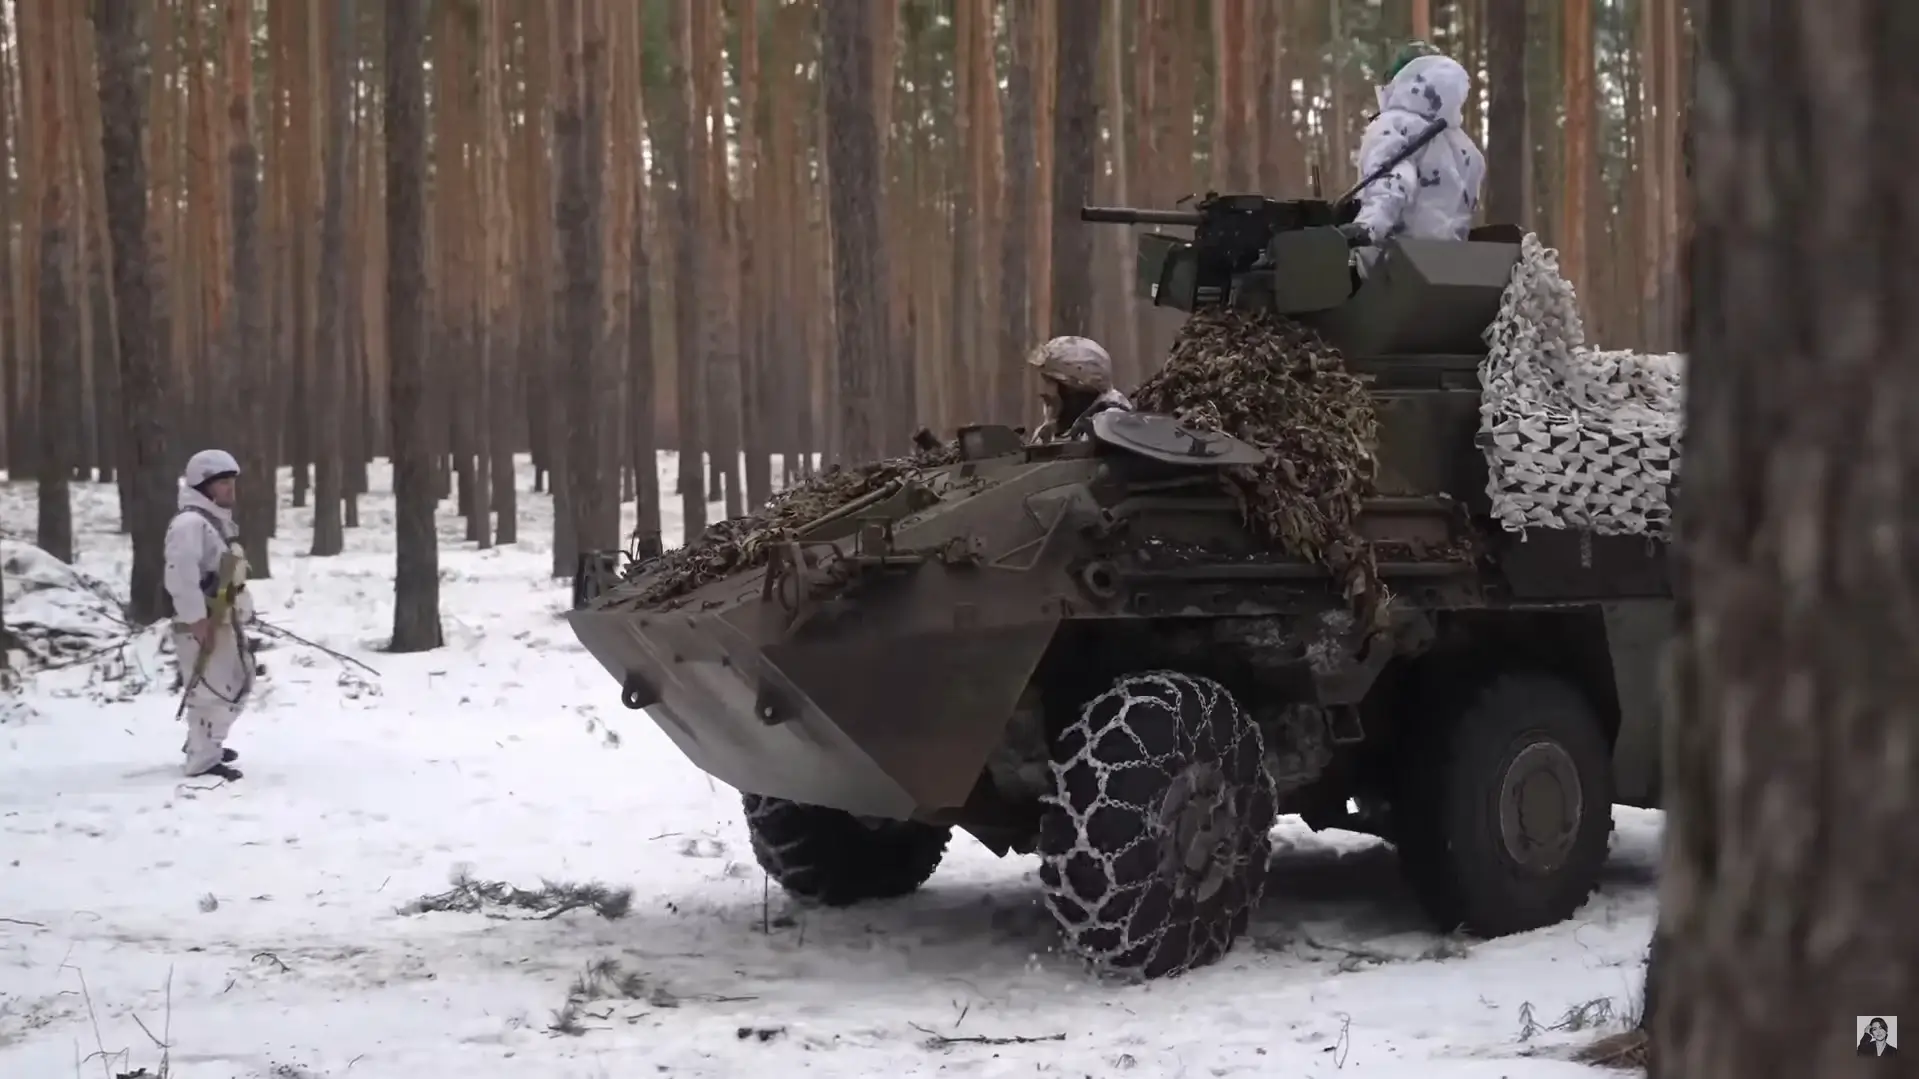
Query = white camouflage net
x=1155 y=842
x=1575 y=437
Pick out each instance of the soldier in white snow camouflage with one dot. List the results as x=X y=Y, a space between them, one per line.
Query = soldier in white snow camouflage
x=200 y=535
x=1076 y=382
x=1433 y=194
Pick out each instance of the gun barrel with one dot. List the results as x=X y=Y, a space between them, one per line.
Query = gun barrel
x=1125 y=215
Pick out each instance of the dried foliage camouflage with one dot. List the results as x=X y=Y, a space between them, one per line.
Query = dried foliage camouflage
x=744 y=543
x=1266 y=380
x=1277 y=384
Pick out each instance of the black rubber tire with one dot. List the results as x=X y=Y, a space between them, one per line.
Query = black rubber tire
x=1125 y=899
x=1453 y=767
x=831 y=858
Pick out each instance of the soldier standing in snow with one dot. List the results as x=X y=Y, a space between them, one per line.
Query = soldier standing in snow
x=206 y=571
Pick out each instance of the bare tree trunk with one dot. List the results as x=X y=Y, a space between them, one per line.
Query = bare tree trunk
x=1016 y=233
x=1786 y=904
x=1506 y=148
x=248 y=412
x=578 y=137
x=1075 y=130
x=675 y=138
x=500 y=363
x=755 y=440
x=327 y=375
x=640 y=377
x=962 y=327
x=853 y=185
x=14 y=413
x=1577 y=52
x=1230 y=164
x=416 y=577
x=59 y=310
x=143 y=378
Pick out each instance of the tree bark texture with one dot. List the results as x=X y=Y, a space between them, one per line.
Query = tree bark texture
x=675 y=136
x=578 y=131
x=1075 y=135
x=328 y=374
x=1788 y=898
x=143 y=377
x=59 y=410
x=1506 y=148
x=1016 y=224
x=854 y=193
x=416 y=577
x=248 y=417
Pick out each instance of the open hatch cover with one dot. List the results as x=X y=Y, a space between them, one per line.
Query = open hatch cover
x=1165 y=438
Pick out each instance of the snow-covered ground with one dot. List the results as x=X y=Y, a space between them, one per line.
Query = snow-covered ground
x=254 y=928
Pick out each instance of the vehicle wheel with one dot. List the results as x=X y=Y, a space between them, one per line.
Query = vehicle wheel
x=1504 y=806
x=833 y=858
x=1155 y=841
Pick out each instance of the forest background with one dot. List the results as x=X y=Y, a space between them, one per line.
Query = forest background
x=757 y=229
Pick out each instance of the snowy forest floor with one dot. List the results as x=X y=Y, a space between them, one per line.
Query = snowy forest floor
x=255 y=929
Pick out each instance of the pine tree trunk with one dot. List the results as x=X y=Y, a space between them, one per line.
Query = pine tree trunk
x=1506 y=149
x=962 y=328
x=1787 y=900
x=416 y=578
x=753 y=244
x=1016 y=229
x=143 y=380
x=854 y=189
x=676 y=140
x=1577 y=56
x=578 y=137
x=248 y=414
x=640 y=376
x=13 y=369
x=1122 y=322
x=327 y=375
x=500 y=362
x=1229 y=161
x=59 y=311
x=1075 y=131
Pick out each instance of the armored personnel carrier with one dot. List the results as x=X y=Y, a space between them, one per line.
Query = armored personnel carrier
x=1078 y=648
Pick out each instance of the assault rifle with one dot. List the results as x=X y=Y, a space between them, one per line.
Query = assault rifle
x=224 y=590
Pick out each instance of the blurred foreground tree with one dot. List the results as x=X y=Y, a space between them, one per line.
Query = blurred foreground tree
x=1793 y=745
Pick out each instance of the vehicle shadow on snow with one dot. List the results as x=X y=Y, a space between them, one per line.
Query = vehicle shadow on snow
x=1336 y=889
x=1351 y=885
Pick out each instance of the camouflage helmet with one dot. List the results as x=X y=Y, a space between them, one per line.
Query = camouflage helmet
x=1075 y=363
x=1411 y=51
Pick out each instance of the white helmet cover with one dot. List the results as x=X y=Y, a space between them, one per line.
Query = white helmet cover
x=210 y=465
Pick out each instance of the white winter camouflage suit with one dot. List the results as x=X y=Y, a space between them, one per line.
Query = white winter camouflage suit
x=200 y=533
x=1434 y=194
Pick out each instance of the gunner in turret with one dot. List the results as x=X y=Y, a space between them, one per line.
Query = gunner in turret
x=1076 y=383
x=1434 y=193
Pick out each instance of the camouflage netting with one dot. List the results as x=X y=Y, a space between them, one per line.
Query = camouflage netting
x=743 y=543
x=1277 y=384
x=1576 y=437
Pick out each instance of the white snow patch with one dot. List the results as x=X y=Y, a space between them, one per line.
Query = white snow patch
x=254 y=926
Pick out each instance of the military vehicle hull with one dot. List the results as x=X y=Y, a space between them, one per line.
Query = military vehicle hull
x=1077 y=648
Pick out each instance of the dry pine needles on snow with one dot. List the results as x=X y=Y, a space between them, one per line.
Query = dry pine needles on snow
x=1277 y=384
